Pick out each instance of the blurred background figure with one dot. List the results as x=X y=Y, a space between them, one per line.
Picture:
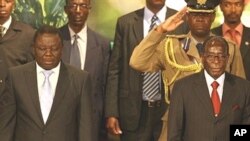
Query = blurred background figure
x=87 y=50
x=233 y=29
x=15 y=41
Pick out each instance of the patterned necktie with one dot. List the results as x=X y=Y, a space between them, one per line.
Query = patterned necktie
x=2 y=30
x=46 y=98
x=151 y=81
x=215 y=98
x=153 y=22
x=75 y=59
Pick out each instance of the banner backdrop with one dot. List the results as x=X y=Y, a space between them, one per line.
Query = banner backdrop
x=103 y=14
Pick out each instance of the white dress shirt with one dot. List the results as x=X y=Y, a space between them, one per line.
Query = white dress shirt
x=53 y=78
x=6 y=25
x=148 y=16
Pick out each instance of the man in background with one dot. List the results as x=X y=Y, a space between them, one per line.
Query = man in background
x=234 y=30
x=15 y=41
x=87 y=50
x=131 y=114
x=205 y=104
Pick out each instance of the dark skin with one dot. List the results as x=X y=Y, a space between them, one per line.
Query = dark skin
x=232 y=11
x=48 y=50
x=199 y=23
x=155 y=5
x=215 y=60
x=77 y=12
x=6 y=7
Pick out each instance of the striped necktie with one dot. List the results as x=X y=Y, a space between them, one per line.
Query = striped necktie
x=153 y=22
x=151 y=81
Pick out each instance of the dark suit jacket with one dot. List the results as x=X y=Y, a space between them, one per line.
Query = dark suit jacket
x=191 y=116
x=96 y=63
x=70 y=116
x=244 y=47
x=124 y=86
x=15 y=48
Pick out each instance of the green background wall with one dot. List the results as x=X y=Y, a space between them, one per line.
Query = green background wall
x=103 y=14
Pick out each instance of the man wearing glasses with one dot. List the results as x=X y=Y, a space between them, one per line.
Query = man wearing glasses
x=203 y=105
x=86 y=50
x=179 y=56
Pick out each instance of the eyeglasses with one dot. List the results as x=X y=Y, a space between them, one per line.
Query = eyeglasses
x=82 y=6
x=212 y=57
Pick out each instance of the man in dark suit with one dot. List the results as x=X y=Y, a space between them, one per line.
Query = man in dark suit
x=233 y=29
x=203 y=105
x=129 y=114
x=94 y=55
x=56 y=107
x=15 y=40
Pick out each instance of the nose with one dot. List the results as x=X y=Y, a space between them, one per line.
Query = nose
x=78 y=8
x=48 y=52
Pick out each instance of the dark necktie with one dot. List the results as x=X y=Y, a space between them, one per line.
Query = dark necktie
x=151 y=81
x=199 y=47
x=215 y=98
x=75 y=59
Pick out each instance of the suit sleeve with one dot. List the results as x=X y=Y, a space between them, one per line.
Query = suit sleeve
x=246 y=112
x=106 y=54
x=85 y=112
x=111 y=97
x=176 y=114
x=7 y=112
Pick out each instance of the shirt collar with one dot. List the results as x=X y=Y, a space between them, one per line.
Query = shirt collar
x=81 y=34
x=238 y=28
x=149 y=14
x=210 y=79
x=6 y=25
x=55 y=69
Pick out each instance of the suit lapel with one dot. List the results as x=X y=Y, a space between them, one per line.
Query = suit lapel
x=91 y=50
x=31 y=80
x=66 y=43
x=11 y=31
x=203 y=94
x=61 y=88
x=138 y=25
x=227 y=97
x=245 y=42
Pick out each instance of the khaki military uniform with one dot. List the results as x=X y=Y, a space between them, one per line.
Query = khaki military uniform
x=167 y=53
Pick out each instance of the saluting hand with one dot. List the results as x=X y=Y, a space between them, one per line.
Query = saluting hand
x=171 y=23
